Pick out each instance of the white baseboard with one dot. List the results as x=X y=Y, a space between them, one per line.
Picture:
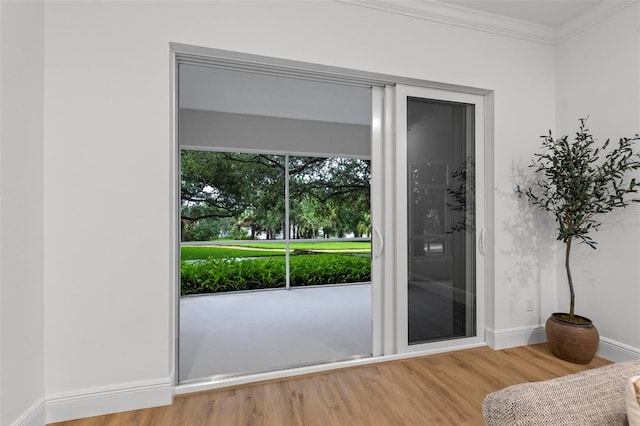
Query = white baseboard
x=34 y=416
x=520 y=336
x=616 y=351
x=107 y=400
x=94 y=402
x=512 y=337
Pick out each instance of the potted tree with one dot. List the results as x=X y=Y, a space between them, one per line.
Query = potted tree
x=577 y=182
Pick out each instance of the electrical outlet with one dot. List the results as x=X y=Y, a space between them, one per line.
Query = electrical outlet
x=529 y=303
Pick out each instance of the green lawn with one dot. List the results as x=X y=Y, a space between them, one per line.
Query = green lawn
x=219 y=252
x=271 y=249
x=321 y=245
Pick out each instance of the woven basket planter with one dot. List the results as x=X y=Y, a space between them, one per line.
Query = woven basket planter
x=572 y=342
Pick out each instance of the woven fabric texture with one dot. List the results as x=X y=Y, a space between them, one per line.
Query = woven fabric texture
x=632 y=399
x=592 y=397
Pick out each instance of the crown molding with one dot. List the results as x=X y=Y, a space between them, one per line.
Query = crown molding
x=449 y=14
x=445 y=13
x=596 y=14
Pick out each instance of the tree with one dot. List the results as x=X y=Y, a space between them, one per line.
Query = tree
x=341 y=189
x=219 y=185
x=578 y=182
x=331 y=194
x=325 y=178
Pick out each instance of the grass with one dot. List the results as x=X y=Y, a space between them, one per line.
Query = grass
x=272 y=249
x=222 y=252
x=321 y=245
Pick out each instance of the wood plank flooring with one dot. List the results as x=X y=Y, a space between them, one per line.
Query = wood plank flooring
x=443 y=389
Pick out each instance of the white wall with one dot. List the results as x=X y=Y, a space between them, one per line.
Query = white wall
x=107 y=162
x=21 y=213
x=599 y=75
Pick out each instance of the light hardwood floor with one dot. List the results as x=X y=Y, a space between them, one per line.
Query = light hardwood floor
x=444 y=389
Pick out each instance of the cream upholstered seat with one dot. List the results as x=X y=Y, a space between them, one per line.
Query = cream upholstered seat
x=591 y=397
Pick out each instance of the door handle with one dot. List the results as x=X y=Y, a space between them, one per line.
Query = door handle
x=482 y=242
x=379 y=242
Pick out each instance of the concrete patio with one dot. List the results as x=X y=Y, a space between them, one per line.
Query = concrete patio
x=248 y=332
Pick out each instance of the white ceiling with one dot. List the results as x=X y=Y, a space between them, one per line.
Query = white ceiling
x=552 y=13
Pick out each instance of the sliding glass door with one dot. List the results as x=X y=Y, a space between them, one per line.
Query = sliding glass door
x=292 y=183
x=440 y=286
x=276 y=221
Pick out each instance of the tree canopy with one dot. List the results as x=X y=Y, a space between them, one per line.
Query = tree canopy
x=222 y=194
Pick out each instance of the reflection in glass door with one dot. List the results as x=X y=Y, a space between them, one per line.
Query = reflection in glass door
x=439 y=301
x=440 y=264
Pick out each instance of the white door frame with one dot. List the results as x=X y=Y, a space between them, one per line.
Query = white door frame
x=377 y=200
x=385 y=204
x=378 y=227
x=401 y=217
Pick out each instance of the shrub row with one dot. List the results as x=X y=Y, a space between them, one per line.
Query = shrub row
x=220 y=275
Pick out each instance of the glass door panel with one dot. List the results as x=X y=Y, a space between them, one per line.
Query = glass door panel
x=271 y=171
x=438 y=295
x=329 y=220
x=438 y=145
x=232 y=206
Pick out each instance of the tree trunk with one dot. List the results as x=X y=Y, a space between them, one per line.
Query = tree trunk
x=566 y=264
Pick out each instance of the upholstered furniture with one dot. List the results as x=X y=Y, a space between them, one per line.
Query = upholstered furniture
x=591 y=397
x=632 y=400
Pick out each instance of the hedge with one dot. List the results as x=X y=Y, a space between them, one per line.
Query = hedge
x=220 y=275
